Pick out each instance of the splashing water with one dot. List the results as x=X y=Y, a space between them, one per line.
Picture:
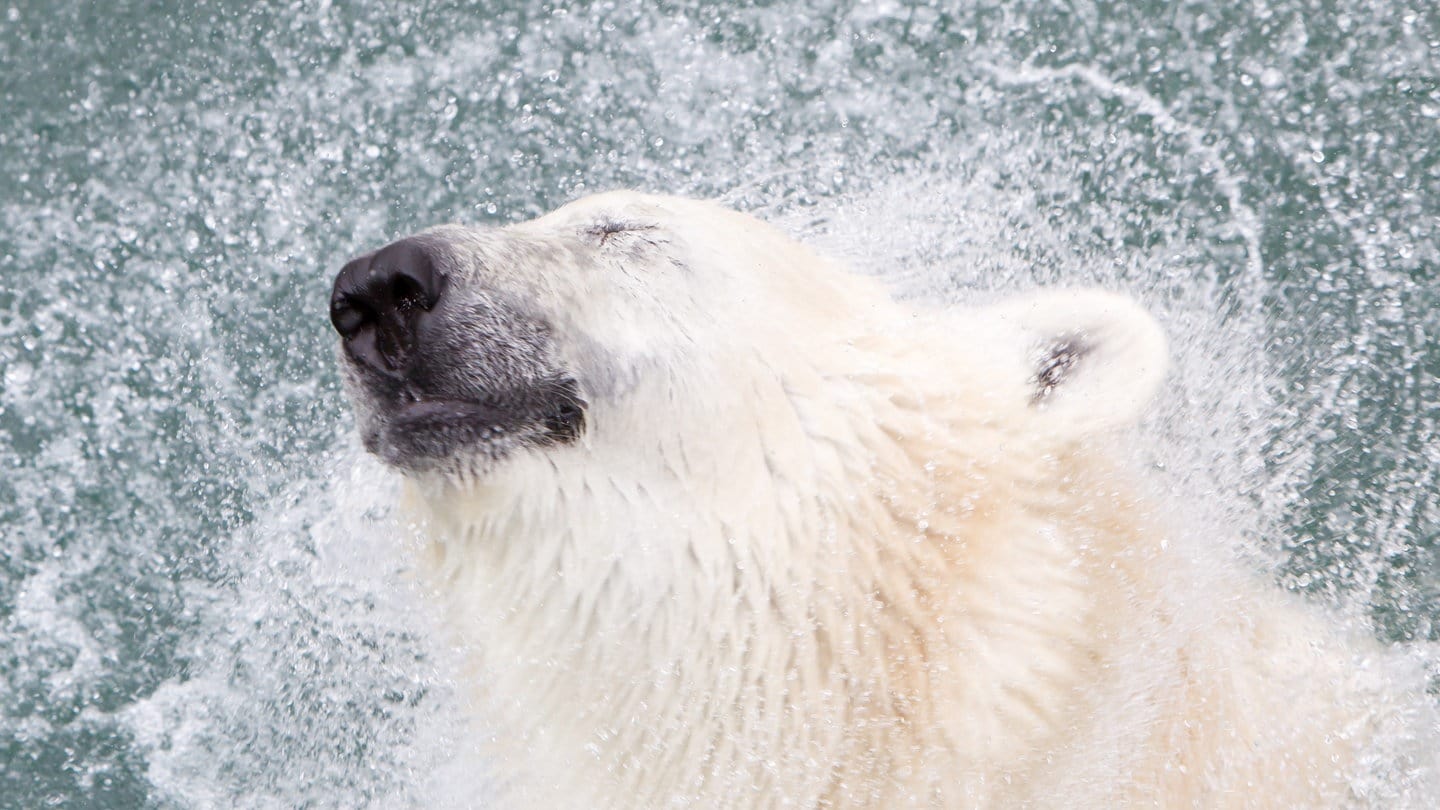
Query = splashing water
x=202 y=596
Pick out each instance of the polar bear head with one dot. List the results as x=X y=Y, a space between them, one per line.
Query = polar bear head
x=624 y=315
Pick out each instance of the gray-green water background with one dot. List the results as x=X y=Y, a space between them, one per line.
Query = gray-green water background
x=179 y=624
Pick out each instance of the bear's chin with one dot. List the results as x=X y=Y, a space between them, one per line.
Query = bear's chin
x=449 y=435
x=433 y=435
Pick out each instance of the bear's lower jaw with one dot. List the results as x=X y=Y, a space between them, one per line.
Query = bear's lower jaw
x=436 y=435
x=431 y=434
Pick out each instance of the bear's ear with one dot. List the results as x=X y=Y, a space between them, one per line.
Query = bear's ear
x=1092 y=359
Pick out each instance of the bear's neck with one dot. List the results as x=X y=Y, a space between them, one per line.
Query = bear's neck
x=680 y=602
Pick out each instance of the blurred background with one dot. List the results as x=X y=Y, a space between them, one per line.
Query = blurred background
x=202 y=602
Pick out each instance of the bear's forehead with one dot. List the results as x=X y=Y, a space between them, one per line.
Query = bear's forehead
x=618 y=202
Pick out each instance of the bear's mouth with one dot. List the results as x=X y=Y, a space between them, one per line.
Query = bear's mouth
x=418 y=433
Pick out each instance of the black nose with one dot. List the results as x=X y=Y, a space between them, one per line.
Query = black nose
x=380 y=301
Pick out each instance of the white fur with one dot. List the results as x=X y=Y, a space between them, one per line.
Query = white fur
x=819 y=550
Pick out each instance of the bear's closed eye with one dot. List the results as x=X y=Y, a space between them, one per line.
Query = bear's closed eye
x=605 y=229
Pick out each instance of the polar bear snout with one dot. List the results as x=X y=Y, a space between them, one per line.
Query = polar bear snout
x=446 y=372
x=379 y=301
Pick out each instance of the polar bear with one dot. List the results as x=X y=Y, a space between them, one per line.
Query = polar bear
x=724 y=526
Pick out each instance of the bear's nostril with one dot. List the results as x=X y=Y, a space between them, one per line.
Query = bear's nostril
x=346 y=316
x=404 y=274
x=408 y=294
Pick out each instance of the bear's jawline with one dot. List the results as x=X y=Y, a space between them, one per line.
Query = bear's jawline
x=417 y=434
